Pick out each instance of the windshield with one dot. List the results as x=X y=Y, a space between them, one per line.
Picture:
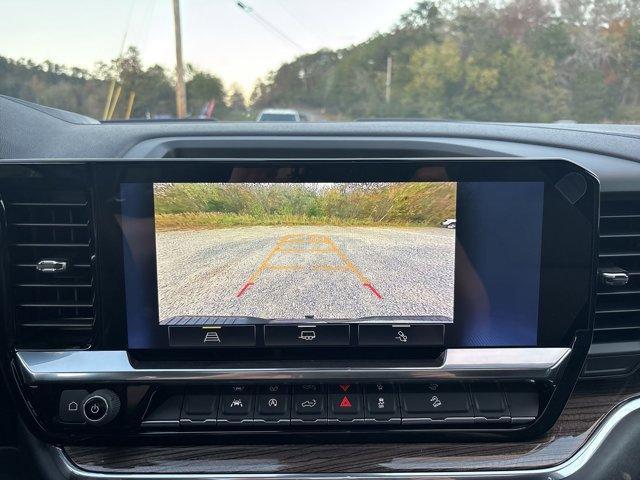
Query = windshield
x=572 y=61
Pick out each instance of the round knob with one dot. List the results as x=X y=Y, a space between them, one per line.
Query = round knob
x=100 y=407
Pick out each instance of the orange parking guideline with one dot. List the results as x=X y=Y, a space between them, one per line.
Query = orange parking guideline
x=282 y=247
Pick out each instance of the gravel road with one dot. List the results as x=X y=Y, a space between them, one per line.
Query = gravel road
x=202 y=272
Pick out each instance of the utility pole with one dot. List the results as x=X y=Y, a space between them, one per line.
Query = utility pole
x=132 y=98
x=181 y=92
x=387 y=92
x=107 y=106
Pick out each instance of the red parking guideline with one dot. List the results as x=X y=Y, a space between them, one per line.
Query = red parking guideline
x=244 y=289
x=373 y=289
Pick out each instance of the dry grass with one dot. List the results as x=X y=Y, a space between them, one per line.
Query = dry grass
x=211 y=206
x=215 y=220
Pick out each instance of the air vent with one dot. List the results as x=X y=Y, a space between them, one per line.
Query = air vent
x=616 y=342
x=51 y=251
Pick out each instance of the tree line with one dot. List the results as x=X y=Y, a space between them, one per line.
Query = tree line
x=480 y=60
x=513 y=60
x=86 y=92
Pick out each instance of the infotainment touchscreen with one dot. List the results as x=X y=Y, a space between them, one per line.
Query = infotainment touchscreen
x=304 y=252
x=397 y=263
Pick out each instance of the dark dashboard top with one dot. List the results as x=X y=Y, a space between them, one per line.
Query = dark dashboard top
x=31 y=131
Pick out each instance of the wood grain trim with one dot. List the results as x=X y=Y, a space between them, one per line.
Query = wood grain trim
x=589 y=403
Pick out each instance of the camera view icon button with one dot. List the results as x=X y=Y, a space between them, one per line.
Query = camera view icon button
x=292 y=335
x=212 y=336
x=417 y=334
x=307 y=335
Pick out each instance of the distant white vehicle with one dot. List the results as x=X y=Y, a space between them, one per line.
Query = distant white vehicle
x=449 y=223
x=279 y=115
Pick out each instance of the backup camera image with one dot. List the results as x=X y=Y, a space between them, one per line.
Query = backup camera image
x=310 y=251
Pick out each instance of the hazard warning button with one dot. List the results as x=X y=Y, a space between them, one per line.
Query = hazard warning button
x=345 y=403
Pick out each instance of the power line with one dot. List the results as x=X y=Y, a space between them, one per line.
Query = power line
x=306 y=27
x=127 y=28
x=268 y=25
x=110 y=104
x=148 y=19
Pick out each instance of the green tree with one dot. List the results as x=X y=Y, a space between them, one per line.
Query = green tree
x=203 y=87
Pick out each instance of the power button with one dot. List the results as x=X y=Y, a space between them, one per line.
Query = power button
x=95 y=408
x=100 y=407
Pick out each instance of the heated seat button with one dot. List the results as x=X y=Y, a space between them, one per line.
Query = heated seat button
x=436 y=401
x=381 y=403
x=309 y=404
x=70 y=403
x=345 y=403
x=272 y=404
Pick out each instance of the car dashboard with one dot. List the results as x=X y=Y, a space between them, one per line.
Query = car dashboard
x=108 y=379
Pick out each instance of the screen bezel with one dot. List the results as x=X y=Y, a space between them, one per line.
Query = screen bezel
x=577 y=264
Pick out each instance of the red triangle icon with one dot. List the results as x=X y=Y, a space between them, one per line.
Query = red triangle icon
x=344 y=388
x=345 y=403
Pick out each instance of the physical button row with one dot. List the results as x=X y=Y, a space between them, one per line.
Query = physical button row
x=380 y=403
x=294 y=335
x=284 y=404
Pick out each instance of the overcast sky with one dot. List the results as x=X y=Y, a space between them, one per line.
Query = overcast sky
x=218 y=36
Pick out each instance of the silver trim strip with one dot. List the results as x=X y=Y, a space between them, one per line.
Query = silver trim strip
x=115 y=366
x=577 y=464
